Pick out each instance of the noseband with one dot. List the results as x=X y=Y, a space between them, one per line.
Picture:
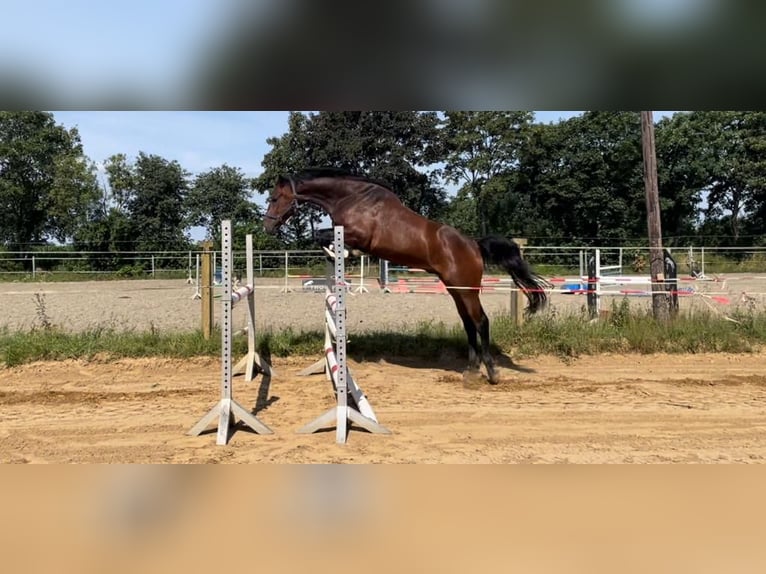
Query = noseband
x=293 y=205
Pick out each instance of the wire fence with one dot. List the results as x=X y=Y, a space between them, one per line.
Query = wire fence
x=299 y=264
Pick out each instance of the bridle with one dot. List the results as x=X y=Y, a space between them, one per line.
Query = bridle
x=293 y=204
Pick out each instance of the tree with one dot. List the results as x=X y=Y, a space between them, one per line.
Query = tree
x=525 y=207
x=480 y=146
x=585 y=177
x=73 y=197
x=47 y=185
x=394 y=147
x=683 y=170
x=221 y=193
x=289 y=154
x=461 y=213
x=109 y=230
x=755 y=172
x=733 y=151
x=152 y=194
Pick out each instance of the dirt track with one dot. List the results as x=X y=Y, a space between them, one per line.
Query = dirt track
x=707 y=408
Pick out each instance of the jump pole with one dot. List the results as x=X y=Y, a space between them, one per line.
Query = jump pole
x=227 y=409
x=189 y=278
x=197 y=293
x=335 y=365
x=252 y=363
x=361 y=288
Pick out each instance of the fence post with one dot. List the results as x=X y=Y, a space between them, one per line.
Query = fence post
x=517 y=308
x=152 y=265
x=286 y=288
x=206 y=281
x=33 y=267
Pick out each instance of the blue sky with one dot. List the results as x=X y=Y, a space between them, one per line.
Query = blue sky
x=197 y=140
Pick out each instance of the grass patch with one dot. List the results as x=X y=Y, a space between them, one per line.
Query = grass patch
x=625 y=330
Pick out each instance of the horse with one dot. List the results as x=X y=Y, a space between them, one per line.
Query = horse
x=376 y=222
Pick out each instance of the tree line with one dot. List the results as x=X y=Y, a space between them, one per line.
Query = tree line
x=575 y=182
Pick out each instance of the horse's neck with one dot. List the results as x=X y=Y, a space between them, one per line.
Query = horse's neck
x=325 y=196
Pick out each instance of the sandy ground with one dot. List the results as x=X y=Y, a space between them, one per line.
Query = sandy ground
x=703 y=408
x=628 y=409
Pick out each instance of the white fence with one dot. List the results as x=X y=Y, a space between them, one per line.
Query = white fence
x=293 y=265
x=166 y=264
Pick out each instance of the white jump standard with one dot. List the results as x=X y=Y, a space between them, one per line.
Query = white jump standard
x=335 y=365
x=227 y=408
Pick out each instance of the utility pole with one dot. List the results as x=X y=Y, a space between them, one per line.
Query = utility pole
x=660 y=305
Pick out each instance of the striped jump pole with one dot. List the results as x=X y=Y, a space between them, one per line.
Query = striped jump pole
x=227 y=409
x=358 y=409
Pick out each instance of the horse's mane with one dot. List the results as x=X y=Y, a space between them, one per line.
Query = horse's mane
x=333 y=172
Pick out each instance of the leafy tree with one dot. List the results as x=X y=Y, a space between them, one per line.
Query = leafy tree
x=527 y=206
x=755 y=172
x=481 y=146
x=395 y=147
x=581 y=179
x=152 y=193
x=683 y=172
x=221 y=193
x=47 y=185
x=728 y=191
x=289 y=154
x=109 y=230
x=388 y=146
x=461 y=213
x=731 y=146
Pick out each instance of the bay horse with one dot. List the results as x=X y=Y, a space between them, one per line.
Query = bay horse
x=376 y=222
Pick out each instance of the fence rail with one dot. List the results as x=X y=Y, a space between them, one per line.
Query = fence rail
x=38 y=264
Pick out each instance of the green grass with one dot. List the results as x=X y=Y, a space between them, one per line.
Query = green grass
x=715 y=263
x=628 y=331
x=625 y=330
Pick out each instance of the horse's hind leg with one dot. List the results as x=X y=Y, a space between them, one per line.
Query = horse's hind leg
x=486 y=355
x=475 y=321
x=470 y=330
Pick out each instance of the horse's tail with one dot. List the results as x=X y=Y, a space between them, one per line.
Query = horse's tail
x=504 y=252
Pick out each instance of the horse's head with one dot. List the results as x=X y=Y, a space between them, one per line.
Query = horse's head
x=282 y=204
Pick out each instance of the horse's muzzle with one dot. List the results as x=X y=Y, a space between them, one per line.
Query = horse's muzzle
x=270 y=224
